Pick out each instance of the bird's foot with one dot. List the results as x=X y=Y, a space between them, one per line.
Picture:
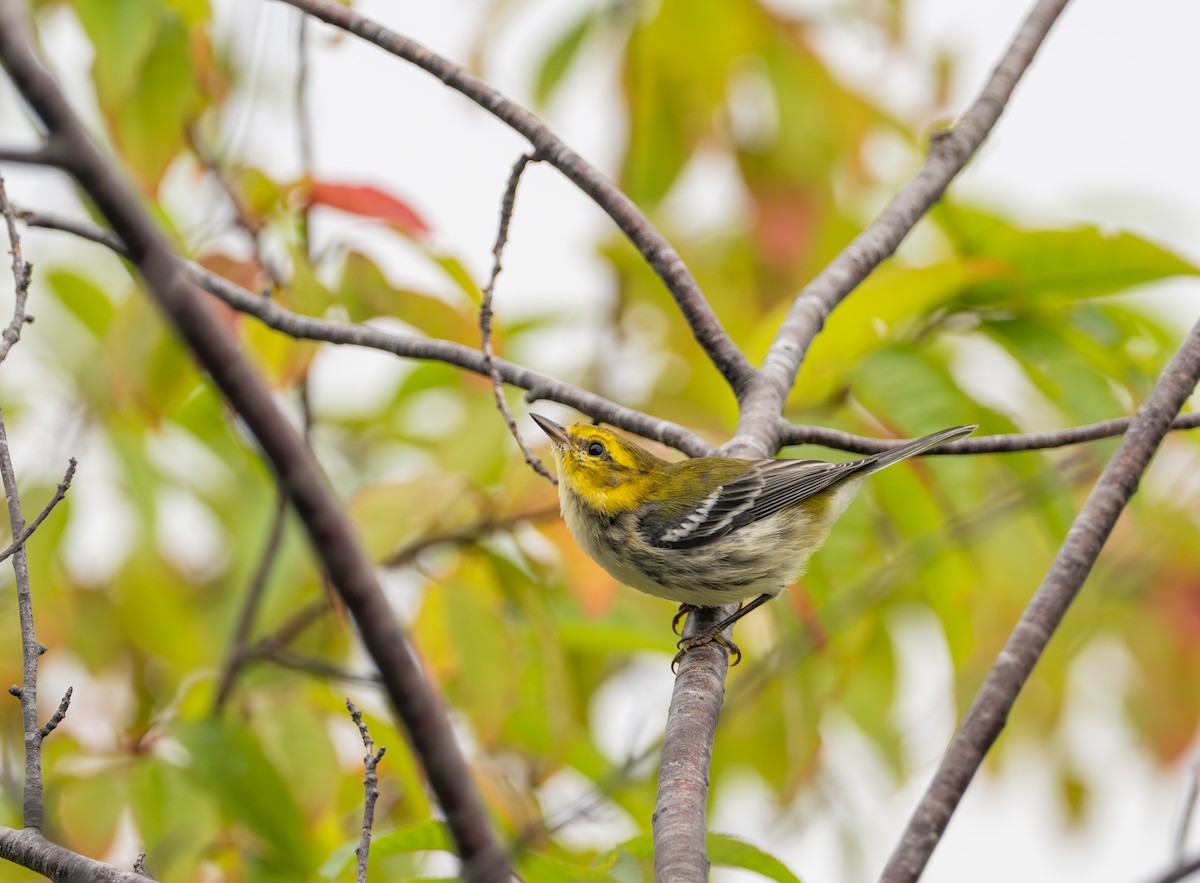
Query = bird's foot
x=680 y=615
x=686 y=645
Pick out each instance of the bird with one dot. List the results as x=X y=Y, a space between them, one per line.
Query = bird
x=705 y=531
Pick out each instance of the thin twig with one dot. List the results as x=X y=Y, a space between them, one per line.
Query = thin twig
x=319 y=668
x=294 y=626
x=658 y=253
x=304 y=130
x=236 y=658
x=1184 y=824
x=370 y=788
x=243 y=218
x=139 y=864
x=469 y=533
x=1091 y=528
x=59 y=493
x=22 y=274
x=57 y=718
x=485 y=314
x=948 y=153
x=333 y=539
x=271 y=314
x=32 y=804
x=984 y=444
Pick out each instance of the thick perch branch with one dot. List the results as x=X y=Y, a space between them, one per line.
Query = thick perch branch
x=989 y=711
x=332 y=537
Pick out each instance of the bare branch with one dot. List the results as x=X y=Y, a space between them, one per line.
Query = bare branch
x=485 y=314
x=243 y=218
x=304 y=128
x=271 y=314
x=57 y=718
x=948 y=153
x=295 y=625
x=470 y=533
x=679 y=822
x=59 y=493
x=985 y=444
x=988 y=713
x=1179 y=872
x=32 y=805
x=31 y=850
x=46 y=154
x=237 y=657
x=22 y=274
x=370 y=787
x=319 y=668
x=333 y=539
x=139 y=864
x=659 y=253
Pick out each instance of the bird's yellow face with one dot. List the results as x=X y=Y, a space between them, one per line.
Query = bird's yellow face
x=599 y=465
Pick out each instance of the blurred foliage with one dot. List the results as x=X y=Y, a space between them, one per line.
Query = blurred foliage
x=1015 y=329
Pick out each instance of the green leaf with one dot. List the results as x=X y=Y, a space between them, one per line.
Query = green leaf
x=543 y=869
x=420 y=837
x=86 y=301
x=145 y=80
x=1078 y=263
x=723 y=849
x=888 y=303
x=558 y=60
x=123 y=35
x=227 y=760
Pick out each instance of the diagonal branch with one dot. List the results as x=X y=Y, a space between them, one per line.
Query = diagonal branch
x=1179 y=872
x=271 y=314
x=59 y=493
x=659 y=253
x=412 y=696
x=1091 y=528
x=948 y=154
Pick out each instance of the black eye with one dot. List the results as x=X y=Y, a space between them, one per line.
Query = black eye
x=595 y=449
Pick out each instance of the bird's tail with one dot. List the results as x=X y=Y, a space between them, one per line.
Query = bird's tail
x=910 y=449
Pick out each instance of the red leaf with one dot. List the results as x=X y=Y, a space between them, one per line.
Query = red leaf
x=369 y=202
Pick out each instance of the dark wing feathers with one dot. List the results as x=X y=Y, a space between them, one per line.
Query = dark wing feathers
x=767 y=487
x=738 y=495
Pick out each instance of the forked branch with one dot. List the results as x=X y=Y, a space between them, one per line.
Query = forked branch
x=949 y=152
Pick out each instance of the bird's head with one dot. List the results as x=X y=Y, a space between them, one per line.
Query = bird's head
x=609 y=472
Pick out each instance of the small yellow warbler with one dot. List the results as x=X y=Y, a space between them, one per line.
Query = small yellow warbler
x=707 y=531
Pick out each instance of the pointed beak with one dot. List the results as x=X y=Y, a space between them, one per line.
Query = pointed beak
x=558 y=434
